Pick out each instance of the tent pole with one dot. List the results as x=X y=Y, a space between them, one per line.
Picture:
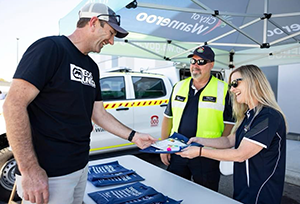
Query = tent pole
x=171 y=8
x=140 y=47
x=285 y=38
x=216 y=44
x=217 y=15
x=234 y=44
x=228 y=33
x=188 y=50
x=166 y=47
x=179 y=46
x=285 y=15
x=233 y=31
x=239 y=30
x=142 y=41
x=231 y=54
x=190 y=10
x=217 y=38
x=202 y=5
x=265 y=22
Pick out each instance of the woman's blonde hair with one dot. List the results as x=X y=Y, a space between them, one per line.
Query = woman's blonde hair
x=258 y=89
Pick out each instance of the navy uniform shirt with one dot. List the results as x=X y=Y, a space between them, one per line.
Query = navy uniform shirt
x=188 y=123
x=260 y=179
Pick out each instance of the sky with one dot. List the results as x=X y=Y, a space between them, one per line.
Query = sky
x=27 y=20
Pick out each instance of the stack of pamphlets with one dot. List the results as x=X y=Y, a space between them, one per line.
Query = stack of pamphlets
x=136 y=193
x=111 y=174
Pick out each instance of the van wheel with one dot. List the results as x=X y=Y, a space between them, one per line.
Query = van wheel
x=7 y=173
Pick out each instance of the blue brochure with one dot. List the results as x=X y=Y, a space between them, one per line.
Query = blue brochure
x=136 y=193
x=127 y=178
x=106 y=170
x=111 y=174
x=175 y=143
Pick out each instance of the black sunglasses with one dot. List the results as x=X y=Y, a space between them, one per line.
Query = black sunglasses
x=234 y=83
x=199 y=61
x=116 y=17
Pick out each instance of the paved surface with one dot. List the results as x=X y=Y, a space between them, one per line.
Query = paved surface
x=293 y=162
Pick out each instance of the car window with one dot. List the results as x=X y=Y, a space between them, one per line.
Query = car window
x=185 y=73
x=113 y=88
x=146 y=87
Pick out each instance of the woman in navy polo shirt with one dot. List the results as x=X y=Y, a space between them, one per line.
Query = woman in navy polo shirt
x=258 y=138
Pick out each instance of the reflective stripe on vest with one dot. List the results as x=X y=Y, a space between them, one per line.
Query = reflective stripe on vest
x=219 y=103
x=210 y=108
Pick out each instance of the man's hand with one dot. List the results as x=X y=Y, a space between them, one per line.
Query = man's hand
x=143 y=140
x=189 y=152
x=165 y=158
x=35 y=185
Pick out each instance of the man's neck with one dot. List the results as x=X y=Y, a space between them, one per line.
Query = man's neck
x=199 y=83
x=77 y=39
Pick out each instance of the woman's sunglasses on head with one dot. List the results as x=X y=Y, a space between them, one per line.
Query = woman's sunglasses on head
x=199 y=61
x=234 y=83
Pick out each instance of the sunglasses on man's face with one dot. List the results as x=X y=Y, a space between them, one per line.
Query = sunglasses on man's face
x=199 y=61
x=234 y=83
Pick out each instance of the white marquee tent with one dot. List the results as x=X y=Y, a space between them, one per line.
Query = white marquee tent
x=263 y=32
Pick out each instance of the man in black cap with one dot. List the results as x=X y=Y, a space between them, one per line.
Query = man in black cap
x=53 y=97
x=199 y=106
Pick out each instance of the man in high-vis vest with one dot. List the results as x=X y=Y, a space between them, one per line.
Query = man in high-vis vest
x=199 y=106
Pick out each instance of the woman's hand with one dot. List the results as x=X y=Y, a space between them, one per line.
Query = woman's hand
x=194 y=139
x=190 y=152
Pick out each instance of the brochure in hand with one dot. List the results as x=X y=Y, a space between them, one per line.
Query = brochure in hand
x=175 y=143
x=136 y=193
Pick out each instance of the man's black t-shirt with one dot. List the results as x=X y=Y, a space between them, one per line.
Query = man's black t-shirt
x=60 y=115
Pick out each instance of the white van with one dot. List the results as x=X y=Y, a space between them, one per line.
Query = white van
x=136 y=99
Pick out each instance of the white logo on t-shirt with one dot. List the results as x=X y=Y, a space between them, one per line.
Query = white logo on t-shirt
x=81 y=75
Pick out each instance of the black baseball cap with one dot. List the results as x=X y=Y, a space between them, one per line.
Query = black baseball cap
x=205 y=52
x=103 y=12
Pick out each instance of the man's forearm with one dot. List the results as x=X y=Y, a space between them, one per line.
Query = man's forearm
x=19 y=136
x=112 y=125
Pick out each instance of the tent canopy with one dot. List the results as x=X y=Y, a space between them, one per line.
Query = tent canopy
x=261 y=32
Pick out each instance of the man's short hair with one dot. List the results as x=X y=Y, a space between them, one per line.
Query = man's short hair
x=82 y=22
x=103 y=12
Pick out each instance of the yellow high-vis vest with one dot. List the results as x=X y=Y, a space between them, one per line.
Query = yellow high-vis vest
x=210 y=107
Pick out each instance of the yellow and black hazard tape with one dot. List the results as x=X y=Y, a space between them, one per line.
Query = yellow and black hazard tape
x=113 y=105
